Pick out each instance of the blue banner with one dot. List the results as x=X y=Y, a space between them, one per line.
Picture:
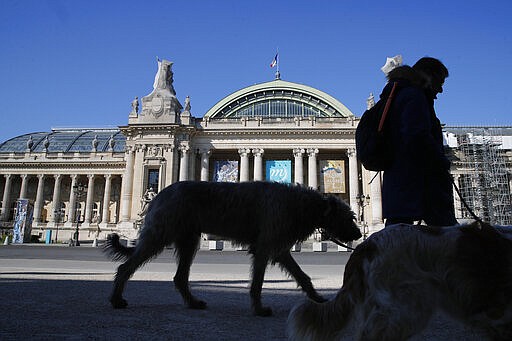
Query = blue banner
x=22 y=222
x=279 y=171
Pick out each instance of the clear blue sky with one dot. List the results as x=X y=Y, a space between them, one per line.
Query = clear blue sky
x=80 y=63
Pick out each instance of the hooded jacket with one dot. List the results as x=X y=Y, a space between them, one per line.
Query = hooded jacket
x=417 y=185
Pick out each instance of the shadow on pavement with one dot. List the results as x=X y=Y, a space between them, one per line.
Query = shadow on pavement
x=78 y=309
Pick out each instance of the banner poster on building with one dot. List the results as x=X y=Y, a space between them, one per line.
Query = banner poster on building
x=279 y=171
x=332 y=176
x=22 y=222
x=225 y=171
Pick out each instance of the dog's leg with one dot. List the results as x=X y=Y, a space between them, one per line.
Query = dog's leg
x=185 y=250
x=259 y=264
x=126 y=270
x=290 y=265
x=122 y=276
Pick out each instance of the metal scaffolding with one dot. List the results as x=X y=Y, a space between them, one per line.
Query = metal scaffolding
x=483 y=177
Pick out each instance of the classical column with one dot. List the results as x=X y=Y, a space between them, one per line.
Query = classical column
x=161 y=177
x=205 y=164
x=184 y=150
x=24 y=185
x=244 y=164
x=298 y=165
x=72 y=200
x=258 y=164
x=353 y=179
x=56 y=199
x=169 y=165
x=376 y=197
x=192 y=164
x=312 y=169
x=6 y=198
x=127 y=186
x=176 y=163
x=139 y=174
x=106 y=199
x=89 y=200
x=38 y=204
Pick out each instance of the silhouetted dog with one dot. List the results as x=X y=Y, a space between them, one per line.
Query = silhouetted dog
x=401 y=275
x=267 y=217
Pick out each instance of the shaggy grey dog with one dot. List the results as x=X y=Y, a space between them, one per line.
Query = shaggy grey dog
x=400 y=276
x=267 y=217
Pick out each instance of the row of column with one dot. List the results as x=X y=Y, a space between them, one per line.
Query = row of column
x=298 y=154
x=186 y=164
x=244 y=170
x=56 y=200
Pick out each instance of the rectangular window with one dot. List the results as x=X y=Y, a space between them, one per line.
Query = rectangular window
x=153 y=177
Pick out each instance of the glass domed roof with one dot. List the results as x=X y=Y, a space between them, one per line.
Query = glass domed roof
x=67 y=141
x=278 y=99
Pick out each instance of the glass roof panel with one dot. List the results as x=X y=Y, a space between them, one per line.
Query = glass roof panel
x=66 y=141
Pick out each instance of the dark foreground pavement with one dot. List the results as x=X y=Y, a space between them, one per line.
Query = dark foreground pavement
x=56 y=293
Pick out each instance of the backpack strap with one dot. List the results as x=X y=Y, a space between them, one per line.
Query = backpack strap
x=386 y=108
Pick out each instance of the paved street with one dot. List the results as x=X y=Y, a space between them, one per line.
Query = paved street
x=57 y=292
x=61 y=293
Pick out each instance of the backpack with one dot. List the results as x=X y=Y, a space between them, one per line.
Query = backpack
x=373 y=145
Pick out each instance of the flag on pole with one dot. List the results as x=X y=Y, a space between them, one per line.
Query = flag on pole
x=274 y=62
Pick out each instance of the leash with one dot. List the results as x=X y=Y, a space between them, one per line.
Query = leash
x=477 y=218
x=337 y=242
x=471 y=212
x=376 y=173
x=341 y=244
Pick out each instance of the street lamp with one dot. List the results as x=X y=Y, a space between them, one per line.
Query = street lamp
x=57 y=214
x=363 y=201
x=79 y=190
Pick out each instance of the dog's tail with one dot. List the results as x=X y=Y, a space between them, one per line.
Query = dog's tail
x=115 y=250
x=313 y=321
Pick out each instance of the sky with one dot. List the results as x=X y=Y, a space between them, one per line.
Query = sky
x=74 y=63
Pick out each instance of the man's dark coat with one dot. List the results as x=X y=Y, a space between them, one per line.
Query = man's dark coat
x=418 y=185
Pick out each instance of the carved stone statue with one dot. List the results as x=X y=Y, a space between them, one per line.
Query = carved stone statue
x=161 y=105
x=30 y=143
x=187 y=103
x=111 y=142
x=144 y=204
x=46 y=142
x=370 y=102
x=95 y=143
x=164 y=76
x=135 y=105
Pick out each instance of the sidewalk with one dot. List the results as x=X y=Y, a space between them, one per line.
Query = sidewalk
x=52 y=299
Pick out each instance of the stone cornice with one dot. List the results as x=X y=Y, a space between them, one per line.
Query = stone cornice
x=280 y=132
x=54 y=166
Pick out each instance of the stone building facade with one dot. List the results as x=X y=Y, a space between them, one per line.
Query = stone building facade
x=273 y=131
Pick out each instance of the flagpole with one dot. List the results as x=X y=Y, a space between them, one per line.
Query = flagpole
x=277 y=54
x=278 y=74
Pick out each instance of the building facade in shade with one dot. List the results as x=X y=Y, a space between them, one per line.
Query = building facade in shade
x=273 y=131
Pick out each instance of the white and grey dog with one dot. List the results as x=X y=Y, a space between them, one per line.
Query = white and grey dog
x=399 y=277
